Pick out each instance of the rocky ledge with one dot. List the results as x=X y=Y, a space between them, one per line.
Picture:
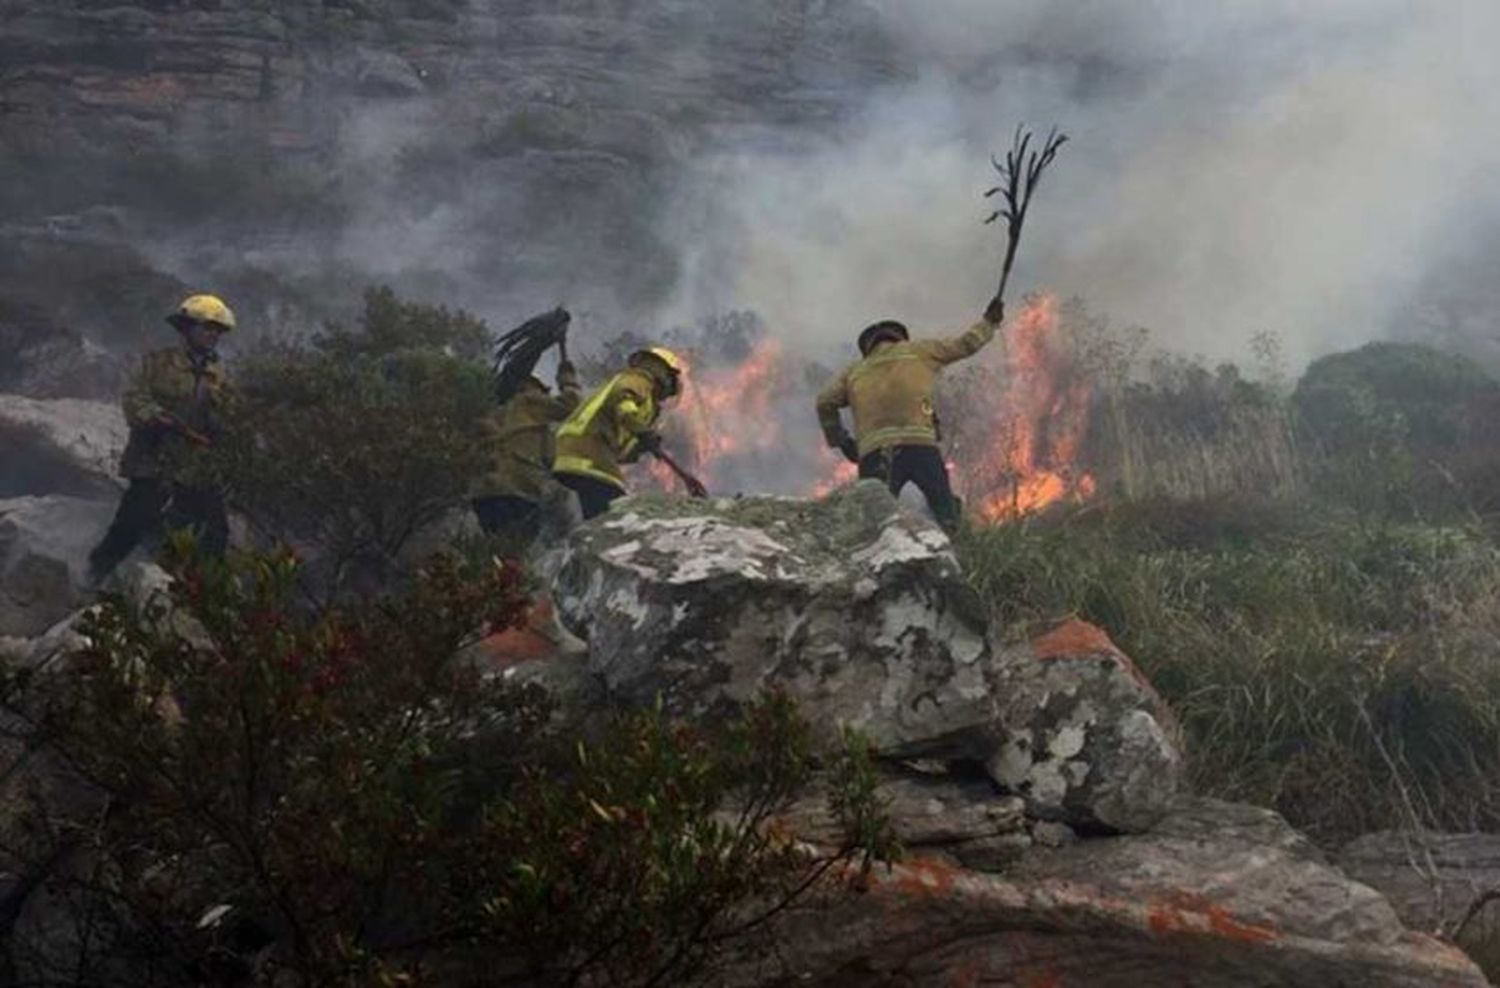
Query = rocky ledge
x=1037 y=788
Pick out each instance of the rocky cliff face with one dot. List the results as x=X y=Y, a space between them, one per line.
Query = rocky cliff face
x=483 y=150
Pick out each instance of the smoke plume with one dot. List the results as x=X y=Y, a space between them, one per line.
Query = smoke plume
x=1234 y=169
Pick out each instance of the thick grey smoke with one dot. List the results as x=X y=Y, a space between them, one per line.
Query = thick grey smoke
x=1235 y=167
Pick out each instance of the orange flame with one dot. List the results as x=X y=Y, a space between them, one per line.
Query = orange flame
x=841 y=473
x=1030 y=439
x=724 y=413
x=1014 y=451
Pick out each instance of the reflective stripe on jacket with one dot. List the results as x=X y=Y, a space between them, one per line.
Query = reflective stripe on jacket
x=890 y=391
x=601 y=433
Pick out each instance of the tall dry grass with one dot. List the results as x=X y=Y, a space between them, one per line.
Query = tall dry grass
x=1348 y=676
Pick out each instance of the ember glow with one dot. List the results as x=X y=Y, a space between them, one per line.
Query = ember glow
x=1019 y=412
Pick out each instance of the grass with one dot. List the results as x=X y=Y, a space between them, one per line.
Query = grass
x=1342 y=672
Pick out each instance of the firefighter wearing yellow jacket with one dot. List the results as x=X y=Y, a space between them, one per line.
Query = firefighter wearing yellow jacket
x=614 y=426
x=889 y=391
x=519 y=439
x=173 y=406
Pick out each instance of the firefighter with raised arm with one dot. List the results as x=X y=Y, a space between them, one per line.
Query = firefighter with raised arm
x=615 y=425
x=519 y=435
x=890 y=393
x=173 y=406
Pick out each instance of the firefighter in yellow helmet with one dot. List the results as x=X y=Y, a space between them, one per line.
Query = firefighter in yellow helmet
x=173 y=406
x=518 y=437
x=889 y=391
x=615 y=425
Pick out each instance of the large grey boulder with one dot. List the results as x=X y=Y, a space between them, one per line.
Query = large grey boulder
x=858 y=609
x=44 y=548
x=60 y=446
x=1432 y=879
x=138 y=582
x=965 y=822
x=1087 y=741
x=855 y=607
x=1218 y=896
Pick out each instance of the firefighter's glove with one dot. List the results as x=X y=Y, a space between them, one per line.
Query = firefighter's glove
x=849 y=448
x=648 y=442
x=994 y=313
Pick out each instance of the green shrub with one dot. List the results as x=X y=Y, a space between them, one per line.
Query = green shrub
x=1400 y=428
x=294 y=797
x=351 y=446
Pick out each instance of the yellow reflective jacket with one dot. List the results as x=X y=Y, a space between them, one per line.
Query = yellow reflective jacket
x=518 y=438
x=177 y=385
x=601 y=433
x=890 y=391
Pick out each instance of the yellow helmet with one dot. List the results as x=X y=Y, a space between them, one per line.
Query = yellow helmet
x=674 y=364
x=205 y=309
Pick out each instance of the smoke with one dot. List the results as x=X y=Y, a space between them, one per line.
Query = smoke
x=1315 y=170
x=1235 y=168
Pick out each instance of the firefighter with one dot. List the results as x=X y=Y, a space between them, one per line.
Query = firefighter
x=889 y=390
x=518 y=437
x=615 y=425
x=173 y=406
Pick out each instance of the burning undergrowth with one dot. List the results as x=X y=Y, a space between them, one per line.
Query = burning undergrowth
x=1013 y=419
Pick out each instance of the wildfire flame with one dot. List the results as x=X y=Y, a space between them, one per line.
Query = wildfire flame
x=1027 y=443
x=1023 y=410
x=726 y=413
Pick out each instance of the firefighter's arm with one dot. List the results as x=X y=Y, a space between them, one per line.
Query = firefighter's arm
x=633 y=413
x=947 y=350
x=142 y=410
x=568 y=394
x=832 y=398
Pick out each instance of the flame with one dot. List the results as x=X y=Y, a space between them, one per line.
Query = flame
x=727 y=410
x=1029 y=440
x=1022 y=412
x=841 y=473
x=724 y=414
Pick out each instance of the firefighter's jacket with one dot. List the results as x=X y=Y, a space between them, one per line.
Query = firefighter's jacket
x=602 y=432
x=890 y=391
x=518 y=438
x=178 y=385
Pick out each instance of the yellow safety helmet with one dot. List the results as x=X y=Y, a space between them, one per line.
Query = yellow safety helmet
x=203 y=309
x=674 y=364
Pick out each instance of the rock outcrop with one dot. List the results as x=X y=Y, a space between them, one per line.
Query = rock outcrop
x=44 y=547
x=62 y=446
x=1087 y=741
x=859 y=610
x=1432 y=879
x=1003 y=767
x=487 y=148
x=856 y=608
x=1218 y=896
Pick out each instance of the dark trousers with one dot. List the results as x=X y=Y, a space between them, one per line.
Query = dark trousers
x=594 y=496
x=151 y=505
x=920 y=465
x=506 y=514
